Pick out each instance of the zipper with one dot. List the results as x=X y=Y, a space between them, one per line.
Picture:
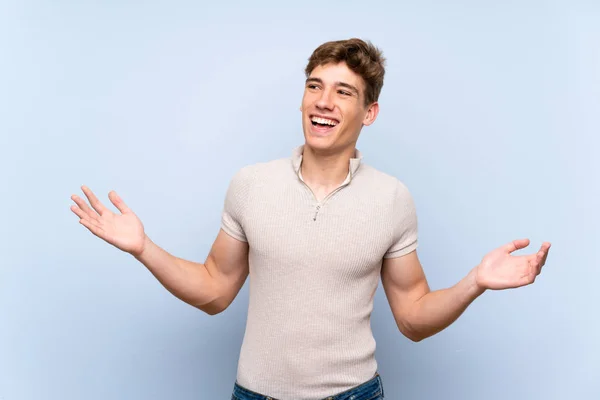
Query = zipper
x=320 y=204
x=316 y=212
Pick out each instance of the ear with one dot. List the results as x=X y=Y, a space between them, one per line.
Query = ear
x=372 y=112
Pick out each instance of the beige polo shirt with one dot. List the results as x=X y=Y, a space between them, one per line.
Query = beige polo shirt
x=314 y=269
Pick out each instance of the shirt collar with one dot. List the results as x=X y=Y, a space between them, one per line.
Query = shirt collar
x=354 y=162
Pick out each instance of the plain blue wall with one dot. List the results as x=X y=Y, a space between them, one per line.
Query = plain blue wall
x=490 y=114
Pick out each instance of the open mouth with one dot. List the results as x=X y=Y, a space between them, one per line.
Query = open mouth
x=321 y=122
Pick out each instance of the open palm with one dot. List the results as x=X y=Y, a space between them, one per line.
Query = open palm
x=124 y=231
x=501 y=270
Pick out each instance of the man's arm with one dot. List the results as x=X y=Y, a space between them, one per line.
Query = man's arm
x=421 y=313
x=418 y=311
x=211 y=286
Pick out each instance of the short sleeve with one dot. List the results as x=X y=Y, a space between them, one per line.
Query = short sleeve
x=234 y=207
x=405 y=236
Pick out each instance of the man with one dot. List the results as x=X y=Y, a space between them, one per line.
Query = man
x=315 y=232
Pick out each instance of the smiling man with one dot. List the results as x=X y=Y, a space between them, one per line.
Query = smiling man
x=315 y=232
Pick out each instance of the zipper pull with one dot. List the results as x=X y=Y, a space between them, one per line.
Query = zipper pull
x=316 y=212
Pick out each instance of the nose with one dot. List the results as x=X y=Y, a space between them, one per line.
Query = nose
x=325 y=101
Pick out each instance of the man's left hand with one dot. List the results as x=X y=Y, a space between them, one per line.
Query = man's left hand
x=501 y=270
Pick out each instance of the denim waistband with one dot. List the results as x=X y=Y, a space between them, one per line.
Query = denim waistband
x=368 y=390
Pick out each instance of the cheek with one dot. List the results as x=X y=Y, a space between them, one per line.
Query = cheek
x=352 y=115
x=307 y=99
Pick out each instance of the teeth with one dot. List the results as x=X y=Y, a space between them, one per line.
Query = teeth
x=324 y=121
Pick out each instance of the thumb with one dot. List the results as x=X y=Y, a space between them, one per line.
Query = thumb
x=118 y=202
x=516 y=245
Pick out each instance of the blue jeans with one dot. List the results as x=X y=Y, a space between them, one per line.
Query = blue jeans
x=370 y=390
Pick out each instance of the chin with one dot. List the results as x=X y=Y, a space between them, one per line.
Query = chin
x=319 y=142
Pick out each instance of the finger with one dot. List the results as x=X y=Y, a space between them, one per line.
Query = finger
x=539 y=258
x=79 y=212
x=516 y=245
x=536 y=263
x=94 y=228
x=85 y=217
x=118 y=202
x=94 y=202
x=545 y=249
x=82 y=205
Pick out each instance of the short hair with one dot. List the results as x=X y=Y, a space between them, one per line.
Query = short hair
x=362 y=57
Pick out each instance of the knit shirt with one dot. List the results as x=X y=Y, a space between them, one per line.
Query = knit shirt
x=314 y=267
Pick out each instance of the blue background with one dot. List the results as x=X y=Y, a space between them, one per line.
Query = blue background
x=490 y=114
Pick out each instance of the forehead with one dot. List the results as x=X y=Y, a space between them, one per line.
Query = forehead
x=332 y=74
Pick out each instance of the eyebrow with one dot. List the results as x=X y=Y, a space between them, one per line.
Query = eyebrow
x=343 y=84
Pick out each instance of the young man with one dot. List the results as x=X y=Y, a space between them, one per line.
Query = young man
x=315 y=232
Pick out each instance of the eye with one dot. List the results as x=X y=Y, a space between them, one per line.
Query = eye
x=312 y=86
x=343 y=92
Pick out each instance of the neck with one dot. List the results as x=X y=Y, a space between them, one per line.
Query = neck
x=326 y=169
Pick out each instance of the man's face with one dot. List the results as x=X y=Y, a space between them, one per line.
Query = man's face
x=333 y=108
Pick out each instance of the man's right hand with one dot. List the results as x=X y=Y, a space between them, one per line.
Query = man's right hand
x=124 y=231
x=211 y=286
